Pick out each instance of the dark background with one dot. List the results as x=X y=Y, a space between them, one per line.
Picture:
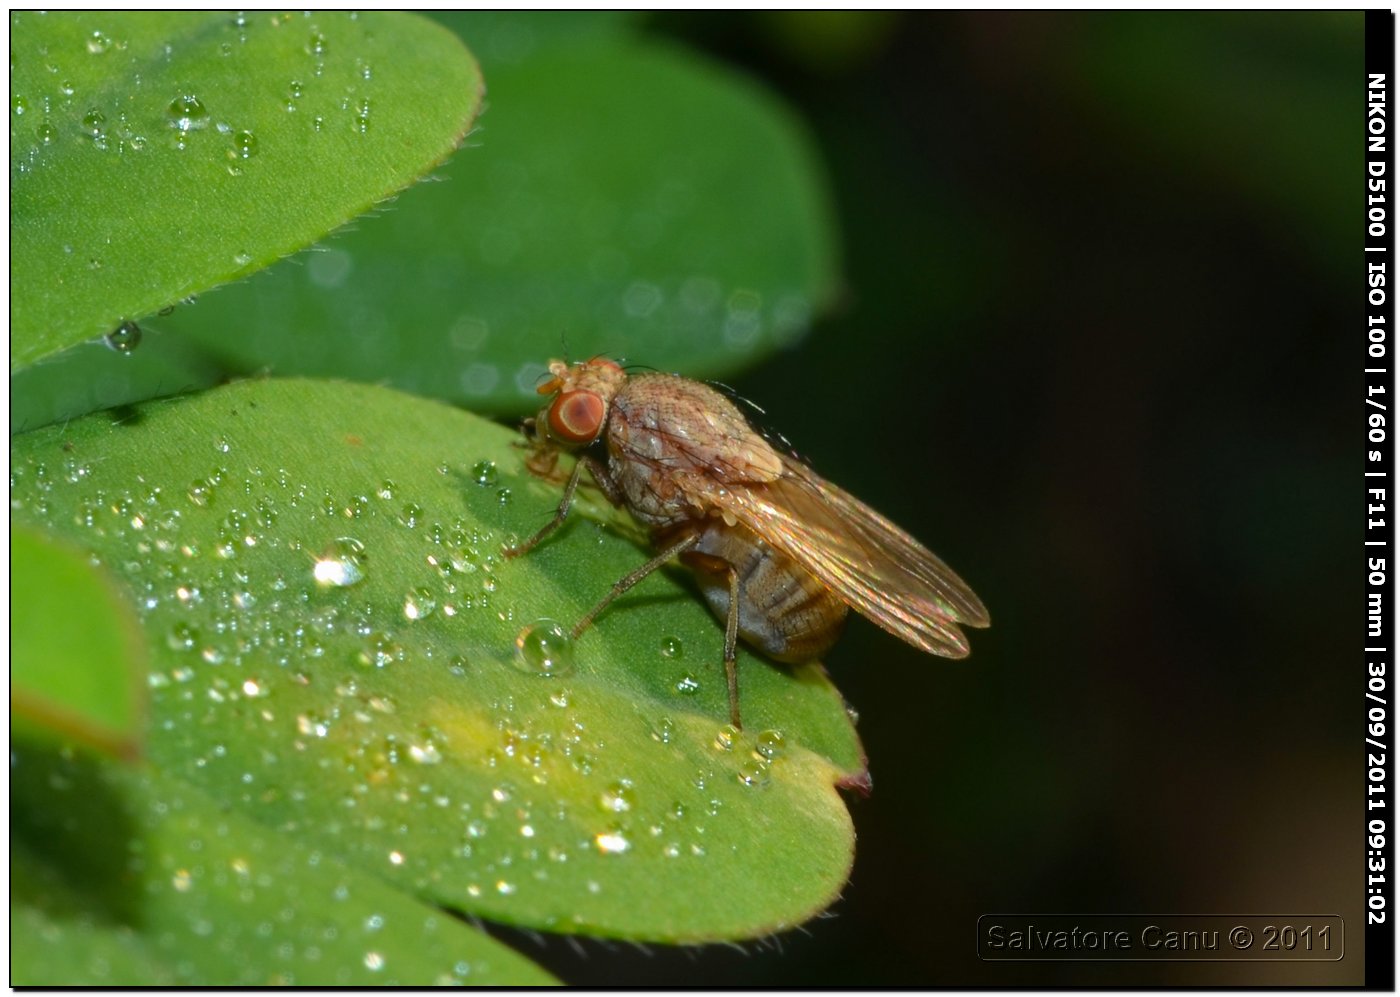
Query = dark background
x=1099 y=349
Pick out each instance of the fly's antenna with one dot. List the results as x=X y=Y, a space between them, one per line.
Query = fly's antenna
x=542 y=377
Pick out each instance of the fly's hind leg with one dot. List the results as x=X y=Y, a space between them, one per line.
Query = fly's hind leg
x=731 y=638
x=715 y=567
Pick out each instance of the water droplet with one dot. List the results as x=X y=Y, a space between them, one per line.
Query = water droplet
x=726 y=736
x=671 y=647
x=770 y=744
x=612 y=842
x=201 y=492
x=426 y=753
x=186 y=113
x=94 y=122
x=419 y=604
x=458 y=665
x=313 y=725
x=124 y=338
x=98 y=43
x=374 y=961
x=503 y=496
x=47 y=133
x=181 y=880
x=618 y=798
x=182 y=637
x=412 y=512
x=316 y=44
x=484 y=472
x=242 y=259
x=687 y=685
x=754 y=773
x=341 y=564
x=380 y=651
x=19 y=105
x=245 y=145
x=544 y=648
x=295 y=89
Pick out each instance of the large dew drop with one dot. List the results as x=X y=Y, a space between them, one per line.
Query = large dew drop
x=341 y=564
x=124 y=338
x=187 y=113
x=611 y=842
x=544 y=648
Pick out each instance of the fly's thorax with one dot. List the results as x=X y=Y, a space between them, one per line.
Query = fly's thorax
x=684 y=426
x=652 y=495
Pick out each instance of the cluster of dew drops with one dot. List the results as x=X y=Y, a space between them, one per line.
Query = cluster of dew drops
x=334 y=98
x=224 y=620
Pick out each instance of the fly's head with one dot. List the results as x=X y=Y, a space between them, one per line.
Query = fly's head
x=582 y=396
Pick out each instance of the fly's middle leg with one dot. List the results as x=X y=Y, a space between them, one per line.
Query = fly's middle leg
x=632 y=578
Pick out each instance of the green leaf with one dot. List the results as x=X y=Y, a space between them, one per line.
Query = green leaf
x=77 y=654
x=621 y=197
x=155 y=155
x=384 y=715
x=90 y=377
x=125 y=878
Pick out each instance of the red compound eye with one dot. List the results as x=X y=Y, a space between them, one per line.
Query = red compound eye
x=577 y=416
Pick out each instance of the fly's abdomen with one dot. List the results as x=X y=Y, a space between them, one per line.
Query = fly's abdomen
x=784 y=611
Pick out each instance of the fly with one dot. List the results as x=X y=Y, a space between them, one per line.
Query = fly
x=780 y=553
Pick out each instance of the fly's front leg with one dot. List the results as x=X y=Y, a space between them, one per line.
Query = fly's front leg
x=600 y=475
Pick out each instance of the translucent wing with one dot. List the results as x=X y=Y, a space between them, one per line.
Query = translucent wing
x=881 y=571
